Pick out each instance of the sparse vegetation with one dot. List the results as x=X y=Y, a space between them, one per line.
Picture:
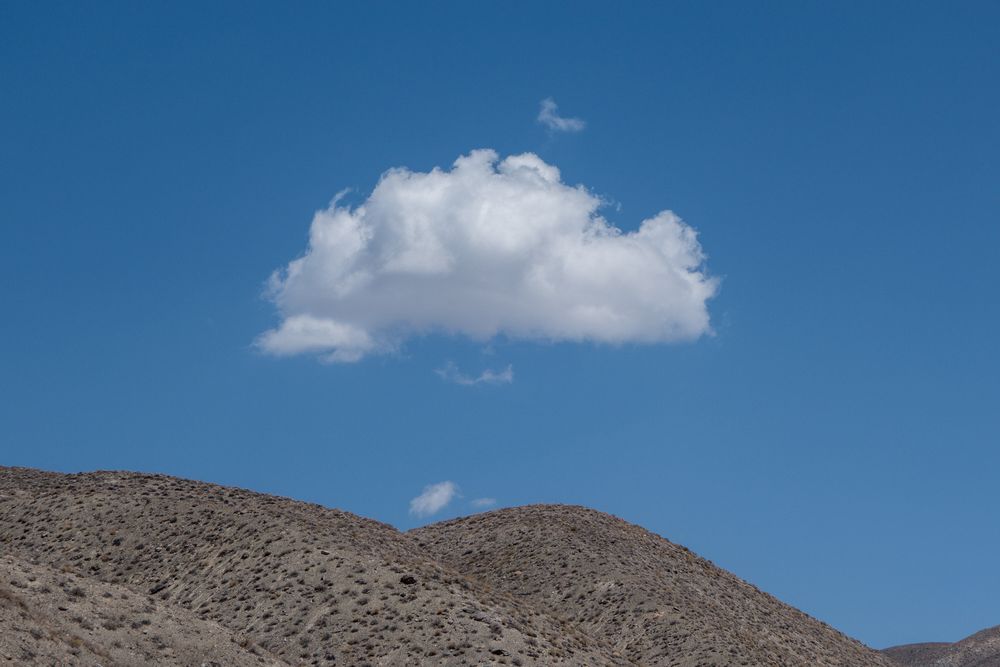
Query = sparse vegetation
x=155 y=570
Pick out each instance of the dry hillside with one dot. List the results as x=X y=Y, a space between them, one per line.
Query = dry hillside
x=979 y=650
x=114 y=568
x=313 y=586
x=53 y=617
x=656 y=602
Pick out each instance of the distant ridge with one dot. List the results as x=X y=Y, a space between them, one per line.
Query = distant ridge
x=118 y=568
x=979 y=650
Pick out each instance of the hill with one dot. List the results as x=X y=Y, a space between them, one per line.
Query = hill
x=655 y=602
x=979 y=650
x=115 y=568
x=313 y=586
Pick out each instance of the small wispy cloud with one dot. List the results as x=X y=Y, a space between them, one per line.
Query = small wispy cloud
x=434 y=498
x=550 y=118
x=451 y=373
x=483 y=502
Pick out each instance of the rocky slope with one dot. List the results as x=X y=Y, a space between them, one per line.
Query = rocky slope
x=655 y=602
x=115 y=568
x=979 y=650
x=313 y=586
x=55 y=618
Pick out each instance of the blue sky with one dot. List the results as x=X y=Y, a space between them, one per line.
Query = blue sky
x=833 y=440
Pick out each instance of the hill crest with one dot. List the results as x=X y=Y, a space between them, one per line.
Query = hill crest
x=319 y=586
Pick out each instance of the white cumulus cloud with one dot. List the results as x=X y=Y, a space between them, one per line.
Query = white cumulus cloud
x=484 y=502
x=434 y=498
x=451 y=373
x=490 y=247
x=549 y=116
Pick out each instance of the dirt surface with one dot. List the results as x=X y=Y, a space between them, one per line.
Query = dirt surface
x=52 y=617
x=114 y=568
x=979 y=650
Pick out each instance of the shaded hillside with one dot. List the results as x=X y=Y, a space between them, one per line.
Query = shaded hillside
x=313 y=586
x=656 y=602
x=979 y=650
